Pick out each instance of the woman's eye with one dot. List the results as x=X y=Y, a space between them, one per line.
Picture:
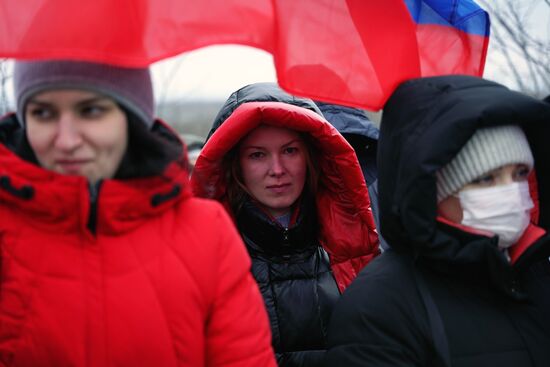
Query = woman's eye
x=256 y=155
x=521 y=173
x=42 y=113
x=484 y=180
x=92 y=111
x=291 y=150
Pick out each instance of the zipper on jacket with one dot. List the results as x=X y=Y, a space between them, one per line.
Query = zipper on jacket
x=286 y=239
x=92 y=216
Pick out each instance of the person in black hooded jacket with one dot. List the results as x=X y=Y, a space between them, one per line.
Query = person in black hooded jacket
x=295 y=189
x=456 y=288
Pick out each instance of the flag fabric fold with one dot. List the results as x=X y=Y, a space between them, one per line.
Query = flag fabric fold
x=351 y=52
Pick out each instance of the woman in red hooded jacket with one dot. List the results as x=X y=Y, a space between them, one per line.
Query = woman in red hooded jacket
x=295 y=189
x=106 y=259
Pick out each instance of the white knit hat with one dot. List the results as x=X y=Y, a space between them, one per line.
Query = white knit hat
x=488 y=149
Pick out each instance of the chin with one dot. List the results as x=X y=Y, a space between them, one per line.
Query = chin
x=282 y=205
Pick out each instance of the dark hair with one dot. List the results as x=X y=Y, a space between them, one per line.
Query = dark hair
x=236 y=191
x=149 y=151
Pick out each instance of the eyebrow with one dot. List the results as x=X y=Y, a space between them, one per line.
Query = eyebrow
x=84 y=102
x=261 y=147
x=297 y=140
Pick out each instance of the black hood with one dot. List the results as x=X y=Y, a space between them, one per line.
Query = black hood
x=259 y=92
x=349 y=120
x=359 y=131
x=425 y=124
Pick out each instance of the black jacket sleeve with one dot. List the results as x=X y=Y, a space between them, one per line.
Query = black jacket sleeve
x=380 y=320
x=311 y=358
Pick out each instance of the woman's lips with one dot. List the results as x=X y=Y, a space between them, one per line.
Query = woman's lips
x=71 y=166
x=278 y=189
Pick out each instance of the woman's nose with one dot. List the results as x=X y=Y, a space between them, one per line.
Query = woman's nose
x=68 y=135
x=506 y=175
x=276 y=168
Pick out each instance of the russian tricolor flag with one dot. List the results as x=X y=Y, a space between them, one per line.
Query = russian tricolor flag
x=353 y=52
x=452 y=36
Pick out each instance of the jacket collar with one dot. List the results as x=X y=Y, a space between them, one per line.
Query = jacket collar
x=473 y=256
x=264 y=235
x=56 y=202
x=533 y=245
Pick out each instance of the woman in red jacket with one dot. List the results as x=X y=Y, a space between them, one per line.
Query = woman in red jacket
x=296 y=191
x=106 y=259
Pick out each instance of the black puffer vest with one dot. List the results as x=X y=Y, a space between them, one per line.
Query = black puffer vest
x=294 y=276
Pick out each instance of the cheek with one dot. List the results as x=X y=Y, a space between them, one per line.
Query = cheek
x=40 y=138
x=300 y=170
x=450 y=209
x=118 y=148
x=121 y=141
x=112 y=140
x=250 y=172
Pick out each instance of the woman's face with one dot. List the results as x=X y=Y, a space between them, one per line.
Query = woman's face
x=76 y=132
x=273 y=165
x=450 y=207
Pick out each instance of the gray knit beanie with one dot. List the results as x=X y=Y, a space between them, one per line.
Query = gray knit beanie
x=488 y=149
x=130 y=87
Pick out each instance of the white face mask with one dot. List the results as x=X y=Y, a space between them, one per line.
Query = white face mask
x=503 y=210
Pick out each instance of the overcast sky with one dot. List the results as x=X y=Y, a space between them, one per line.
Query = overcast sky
x=214 y=72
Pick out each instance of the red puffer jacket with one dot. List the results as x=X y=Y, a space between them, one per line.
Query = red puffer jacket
x=163 y=281
x=347 y=229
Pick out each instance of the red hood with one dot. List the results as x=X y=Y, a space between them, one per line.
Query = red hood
x=347 y=227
